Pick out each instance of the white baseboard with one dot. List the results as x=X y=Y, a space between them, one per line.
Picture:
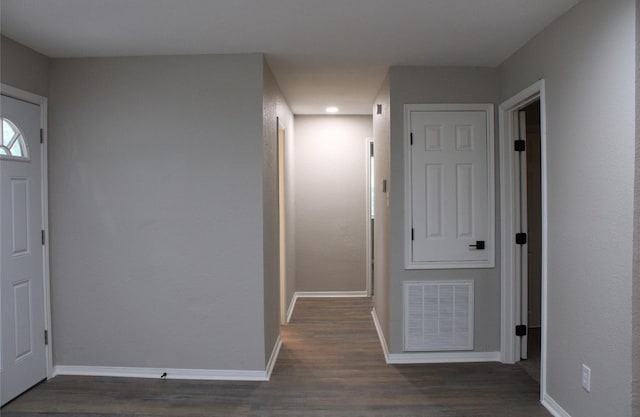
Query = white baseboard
x=383 y=341
x=292 y=305
x=174 y=373
x=274 y=357
x=330 y=294
x=321 y=294
x=442 y=357
x=553 y=407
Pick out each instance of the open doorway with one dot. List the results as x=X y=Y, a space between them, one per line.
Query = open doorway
x=530 y=190
x=523 y=202
x=370 y=160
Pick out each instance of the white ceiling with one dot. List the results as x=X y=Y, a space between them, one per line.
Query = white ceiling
x=322 y=52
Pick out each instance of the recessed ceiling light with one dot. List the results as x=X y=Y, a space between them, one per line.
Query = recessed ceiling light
x=332 y=109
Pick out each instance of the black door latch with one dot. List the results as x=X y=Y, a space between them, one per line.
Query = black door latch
x=479 y=245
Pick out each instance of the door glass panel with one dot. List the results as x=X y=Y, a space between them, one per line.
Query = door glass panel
x=13 y=143
x=16 y=149
x=8 y=132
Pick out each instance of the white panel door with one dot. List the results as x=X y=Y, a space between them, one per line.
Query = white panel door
x=22 y=348
x=451 y=189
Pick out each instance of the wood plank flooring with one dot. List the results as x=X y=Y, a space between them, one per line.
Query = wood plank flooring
x=331 y=365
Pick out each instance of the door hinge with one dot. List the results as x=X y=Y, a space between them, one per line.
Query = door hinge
x=521 y=330
x=412 y=234
x=43 y=237
x=519 y=145
x=41 y=135
x=411 y=138
x=521 y=238
x=371 y=149
x=46 y=337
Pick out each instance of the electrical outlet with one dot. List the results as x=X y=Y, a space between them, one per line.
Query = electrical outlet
x=586 y=378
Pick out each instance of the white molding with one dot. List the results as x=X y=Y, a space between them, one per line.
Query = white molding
x=322 y=294
x=383 y=341
x=409 y=264
x=292 y=305
x=553 y=407
x=172 y=373
x=369 y=249
x=274 y=357
x=510 y=299
x=443 y=357
x=330 y=294
x=43 y=102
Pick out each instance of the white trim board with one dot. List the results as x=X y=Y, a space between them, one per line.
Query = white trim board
x=292 y=305
x=174 y=373
x=274 y=357
x=322 y=294
x=383 y=341
x=553 y=407
x=41 y=101
x=330 y=294
x=443 y=357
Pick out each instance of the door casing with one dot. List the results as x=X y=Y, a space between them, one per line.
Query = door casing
x=369 y=143
x=42 y=102
x=282 y=257
x=510 y=223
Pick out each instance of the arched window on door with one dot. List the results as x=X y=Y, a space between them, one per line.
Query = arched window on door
x=13 y=145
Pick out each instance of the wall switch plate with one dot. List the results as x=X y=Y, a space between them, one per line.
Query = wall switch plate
x=586 y=378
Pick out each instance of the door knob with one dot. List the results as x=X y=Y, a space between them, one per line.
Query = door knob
x=479 y=245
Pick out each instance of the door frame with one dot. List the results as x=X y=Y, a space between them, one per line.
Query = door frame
x=282 y=216
x=369 y=247
x=510 y=285
x=42 y=102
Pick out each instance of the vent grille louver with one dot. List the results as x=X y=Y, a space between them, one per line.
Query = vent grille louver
x=438 y=316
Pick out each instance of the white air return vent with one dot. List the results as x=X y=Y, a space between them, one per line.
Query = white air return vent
x=438 y=316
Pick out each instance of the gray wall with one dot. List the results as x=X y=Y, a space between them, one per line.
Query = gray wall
x=416 y=85
x=330 y=192
x=587 y=58
x=381 y=244
x=636 y=239
x=23 y=68
x=275 y=109
x=156 y=211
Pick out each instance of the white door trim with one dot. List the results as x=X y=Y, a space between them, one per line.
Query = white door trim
x=368 y=258
x=42 y=102
x=510 y=303
x=282 y=219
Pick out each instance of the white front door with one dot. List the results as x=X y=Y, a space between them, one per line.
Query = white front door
x=451 y=204
x=22 y=303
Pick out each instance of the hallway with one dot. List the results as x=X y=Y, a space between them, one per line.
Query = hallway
x=330 y=365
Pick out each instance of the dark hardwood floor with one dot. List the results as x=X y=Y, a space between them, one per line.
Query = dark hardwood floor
x=331 y=365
